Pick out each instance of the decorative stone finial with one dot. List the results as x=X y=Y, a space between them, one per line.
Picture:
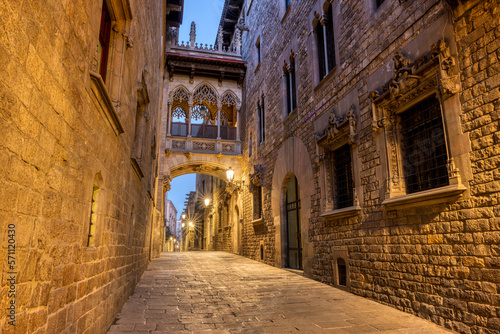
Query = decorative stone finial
x=192 y=34
x=220 y=39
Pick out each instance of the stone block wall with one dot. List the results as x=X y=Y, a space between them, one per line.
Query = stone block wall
x=438 y=261
x=56 y=143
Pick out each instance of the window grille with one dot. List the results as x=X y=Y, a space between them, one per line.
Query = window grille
x=342 y=177
x=424 y=147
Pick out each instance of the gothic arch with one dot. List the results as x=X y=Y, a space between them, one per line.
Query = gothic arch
x=205 y=93
x=208 y=167
x=229 y=98
x=180 y=97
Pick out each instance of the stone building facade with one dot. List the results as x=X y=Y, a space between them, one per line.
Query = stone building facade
x=170 y=217
x=371 y=150
x=218 y=214
x=80 y=87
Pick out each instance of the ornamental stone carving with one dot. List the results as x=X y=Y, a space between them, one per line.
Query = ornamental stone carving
x=166 y=183
x=449 y=82
x=339 y=130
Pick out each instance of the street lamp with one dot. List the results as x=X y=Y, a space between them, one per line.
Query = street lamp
x=207 y=201
x=230 y=178
x=191 y=224
x=183 y=225
x=230 y=174
x=183 y=216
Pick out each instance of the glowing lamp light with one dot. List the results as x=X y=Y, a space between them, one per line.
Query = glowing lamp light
x=183 y=216
x=191 y=224
x=230 y=174
x=183 y=225
x=207 y=201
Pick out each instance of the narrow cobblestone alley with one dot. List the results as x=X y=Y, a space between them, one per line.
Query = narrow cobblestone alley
x=199 y=292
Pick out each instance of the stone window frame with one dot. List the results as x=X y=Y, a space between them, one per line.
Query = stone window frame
x=285 y=60
x=257 y=190
x=258 y=53
x=104 y=40
x=340 y=253
x=374 y=9
x=318 y=9
x=285 y=6
x=141 y=119
x=340 y=131
x=414 y=81
x=131 y=227
x=107 y=93
x=97 y=196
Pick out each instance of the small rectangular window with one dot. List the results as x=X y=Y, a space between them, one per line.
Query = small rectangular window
x=104 y=38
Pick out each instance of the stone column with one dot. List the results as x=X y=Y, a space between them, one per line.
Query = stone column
x=238 y=122
x=190 y=106
x=219 y=107
x=323 y=21
x=169 y=119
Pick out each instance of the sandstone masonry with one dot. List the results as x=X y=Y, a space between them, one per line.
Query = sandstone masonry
x=434 y=254
x=68 y=136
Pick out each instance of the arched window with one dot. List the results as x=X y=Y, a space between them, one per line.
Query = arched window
x=291 y=94
x=326 y=42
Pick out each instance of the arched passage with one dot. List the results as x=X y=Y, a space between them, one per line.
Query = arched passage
x=292 y=161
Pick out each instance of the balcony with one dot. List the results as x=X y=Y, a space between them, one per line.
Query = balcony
x=203 y=139
x=203 y=131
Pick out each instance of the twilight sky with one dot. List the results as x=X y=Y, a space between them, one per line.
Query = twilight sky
x=206 y=14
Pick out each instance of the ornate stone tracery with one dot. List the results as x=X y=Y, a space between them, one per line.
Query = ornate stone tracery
x=205 y=94
x=339 y=130
x=228 y=99
x=201 y=112
x=180 y=94
x=179 y=113
x=433 y=73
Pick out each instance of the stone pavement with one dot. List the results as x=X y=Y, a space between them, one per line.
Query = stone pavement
x=216 y=292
